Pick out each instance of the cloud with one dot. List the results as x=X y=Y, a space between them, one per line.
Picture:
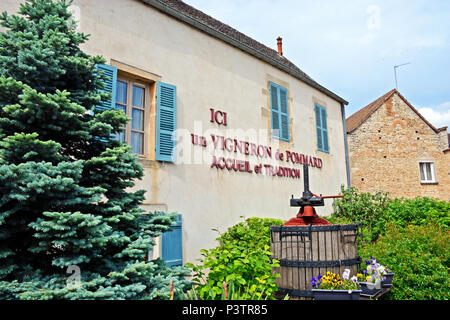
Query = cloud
x=439 y=116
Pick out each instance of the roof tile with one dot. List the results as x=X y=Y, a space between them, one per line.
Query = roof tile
x=234 y=34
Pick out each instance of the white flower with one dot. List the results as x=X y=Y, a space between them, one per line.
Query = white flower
x=354 y=279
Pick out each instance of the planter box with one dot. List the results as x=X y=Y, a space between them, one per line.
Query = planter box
x=320 y=294
x=387 y=280
x=370 y=289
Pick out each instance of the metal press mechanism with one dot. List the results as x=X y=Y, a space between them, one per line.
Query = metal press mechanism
x=307 y=214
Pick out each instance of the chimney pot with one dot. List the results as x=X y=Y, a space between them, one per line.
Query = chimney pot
x=280 y=46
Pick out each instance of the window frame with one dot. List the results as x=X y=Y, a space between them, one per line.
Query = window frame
x=129 y=110
x=432 y=170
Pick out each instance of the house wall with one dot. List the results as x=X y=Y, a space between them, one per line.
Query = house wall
x=386 y=149
x=209 y=73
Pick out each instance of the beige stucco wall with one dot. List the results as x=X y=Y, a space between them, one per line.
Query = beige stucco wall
x=211 y=74
x=386 y=149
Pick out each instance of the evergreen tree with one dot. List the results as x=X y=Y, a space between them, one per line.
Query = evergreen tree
x=64 y=180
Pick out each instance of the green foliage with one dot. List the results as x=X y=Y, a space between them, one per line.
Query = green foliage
x=242 y=258
x=410 y=236
x=418 y=211
x=66 y=185
x=419 y=256
x=229 y=292
x=365 y=208
x=376 y=211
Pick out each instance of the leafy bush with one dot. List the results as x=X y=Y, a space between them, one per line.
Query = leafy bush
x=365 y=208
x=418 y=211
x=242 y=258
x=375 y=211
x=419 y=257
x=229 y=292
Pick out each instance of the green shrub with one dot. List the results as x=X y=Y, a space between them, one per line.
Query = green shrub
x=229 y=292
x=418 y=211
x=375 y=211
x=242 y=258
x=365 y=208
x=419 y=257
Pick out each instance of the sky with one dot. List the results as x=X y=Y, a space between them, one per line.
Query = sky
x=351 y=46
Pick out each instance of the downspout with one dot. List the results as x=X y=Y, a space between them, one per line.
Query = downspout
x=347 y=161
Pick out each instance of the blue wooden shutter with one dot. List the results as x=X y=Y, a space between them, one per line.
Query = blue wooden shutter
x=284 y=114
x=318 y=127
x=279 y=112
x=166 y=122
x=274 y=110
x=325 y=130
x=110 y=86
x=172 y=244
x=321 y=128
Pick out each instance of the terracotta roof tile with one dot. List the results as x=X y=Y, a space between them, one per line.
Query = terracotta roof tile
x=358 y=118
x=226 y=29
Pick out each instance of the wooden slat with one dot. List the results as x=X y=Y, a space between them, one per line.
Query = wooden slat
x=321 y=249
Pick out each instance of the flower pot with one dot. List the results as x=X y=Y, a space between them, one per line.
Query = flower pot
x=320 y=294
x=370 y=289
x=387 y=280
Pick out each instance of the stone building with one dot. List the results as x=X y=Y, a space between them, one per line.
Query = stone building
x=393 y=148
x=221 y=123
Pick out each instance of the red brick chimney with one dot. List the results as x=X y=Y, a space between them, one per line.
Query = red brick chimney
x=280 y=46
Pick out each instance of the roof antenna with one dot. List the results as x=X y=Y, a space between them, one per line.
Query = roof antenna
x=395 y=73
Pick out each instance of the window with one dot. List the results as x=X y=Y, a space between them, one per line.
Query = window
x=321 y=128
x=131 y=98
x=279 y=112
x=427 y=174
x=153 y=139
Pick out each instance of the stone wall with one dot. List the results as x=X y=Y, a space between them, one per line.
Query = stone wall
x=386 y=149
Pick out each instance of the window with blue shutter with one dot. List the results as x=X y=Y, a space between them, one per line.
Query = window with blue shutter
x=279 y=112
x=110 y=86
x=172 y=244
x=166 y=101
x=321 y=128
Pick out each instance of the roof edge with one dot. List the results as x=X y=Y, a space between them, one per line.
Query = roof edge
x=221 y=36
x=385 y=98
x=381 y=99
x=418 y=113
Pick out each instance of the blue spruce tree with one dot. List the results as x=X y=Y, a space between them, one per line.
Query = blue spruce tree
x=65 y=203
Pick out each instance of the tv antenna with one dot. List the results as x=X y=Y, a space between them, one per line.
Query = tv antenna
x=395 y=72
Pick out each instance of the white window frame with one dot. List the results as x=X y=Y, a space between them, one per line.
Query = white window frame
x=432 y=169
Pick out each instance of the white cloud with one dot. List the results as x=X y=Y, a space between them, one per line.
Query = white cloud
x=438 y=116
